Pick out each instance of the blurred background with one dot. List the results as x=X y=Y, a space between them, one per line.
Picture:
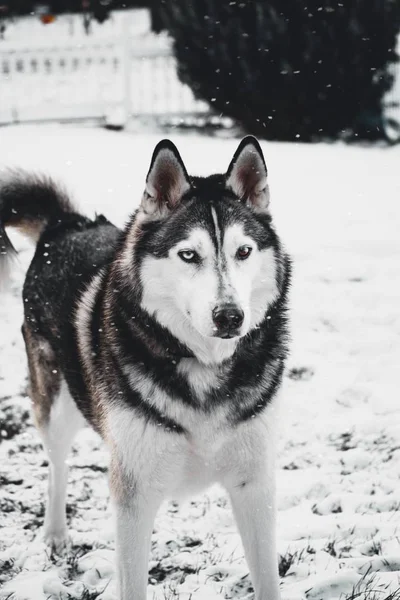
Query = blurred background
x=302 y=71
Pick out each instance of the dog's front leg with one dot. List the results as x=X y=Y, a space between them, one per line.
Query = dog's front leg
x=133 y=540
x=254 y=507
x=135 y=514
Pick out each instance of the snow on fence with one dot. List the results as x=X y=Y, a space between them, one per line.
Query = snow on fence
x=94 y=79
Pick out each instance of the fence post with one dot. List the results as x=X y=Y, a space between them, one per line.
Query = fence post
x=127 y=66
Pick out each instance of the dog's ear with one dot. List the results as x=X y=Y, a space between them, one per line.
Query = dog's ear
x=167 y=180
x=247 y=175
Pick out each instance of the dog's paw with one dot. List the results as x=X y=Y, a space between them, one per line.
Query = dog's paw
x=56 y=539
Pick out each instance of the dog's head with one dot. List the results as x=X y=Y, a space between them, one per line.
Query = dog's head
x=205 y=250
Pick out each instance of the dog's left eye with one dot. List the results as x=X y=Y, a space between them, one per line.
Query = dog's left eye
x=188 y=256
x=243 y=252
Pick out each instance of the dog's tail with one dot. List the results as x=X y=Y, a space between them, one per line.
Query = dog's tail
x=29 y=203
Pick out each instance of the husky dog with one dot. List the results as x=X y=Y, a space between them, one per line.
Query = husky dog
x=168 y=337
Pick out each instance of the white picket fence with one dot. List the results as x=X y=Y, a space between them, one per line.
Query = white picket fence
x=110 y=78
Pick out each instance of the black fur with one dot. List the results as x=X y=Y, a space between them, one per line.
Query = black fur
x=67 y=257
x=29 y=201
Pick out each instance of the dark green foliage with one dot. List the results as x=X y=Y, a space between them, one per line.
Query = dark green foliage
x=288 y=69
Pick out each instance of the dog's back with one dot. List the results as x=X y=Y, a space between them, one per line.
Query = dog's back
x=68 y=255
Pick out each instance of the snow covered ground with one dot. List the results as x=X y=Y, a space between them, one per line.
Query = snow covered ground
x=337 y=209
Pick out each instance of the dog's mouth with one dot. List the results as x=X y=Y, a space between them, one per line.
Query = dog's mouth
x=227 y=335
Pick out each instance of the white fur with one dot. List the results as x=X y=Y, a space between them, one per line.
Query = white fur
x=202 y=378
x=82 y=321
x=161 y=466
x=182 y=296
x=253 y=280
x=65 y=421
x=7 y=264
x=5 y=272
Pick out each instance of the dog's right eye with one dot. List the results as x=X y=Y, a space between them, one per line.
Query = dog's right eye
x=188 y=256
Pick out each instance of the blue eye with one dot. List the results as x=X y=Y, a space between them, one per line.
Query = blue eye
x=188 y=256
x=243 y=252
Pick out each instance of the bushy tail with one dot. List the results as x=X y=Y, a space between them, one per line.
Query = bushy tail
x=28 y=202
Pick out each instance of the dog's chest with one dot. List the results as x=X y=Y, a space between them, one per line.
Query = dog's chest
x=208 y=447
x=206 y=417
x=208 y=431
x=203 y=418
x=182 y=394
x=201 y=379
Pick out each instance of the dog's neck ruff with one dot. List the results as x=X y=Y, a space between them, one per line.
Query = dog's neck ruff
x=145 y=330
x=158 y=340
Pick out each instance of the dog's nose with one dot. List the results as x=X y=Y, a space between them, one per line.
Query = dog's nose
x=227 y=317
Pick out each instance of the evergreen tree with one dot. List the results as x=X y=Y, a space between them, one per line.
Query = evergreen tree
x=288 y=69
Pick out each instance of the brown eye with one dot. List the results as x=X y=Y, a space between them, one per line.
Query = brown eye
x=243 y=252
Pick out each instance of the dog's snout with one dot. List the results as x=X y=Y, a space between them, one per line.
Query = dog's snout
x=228 y=318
